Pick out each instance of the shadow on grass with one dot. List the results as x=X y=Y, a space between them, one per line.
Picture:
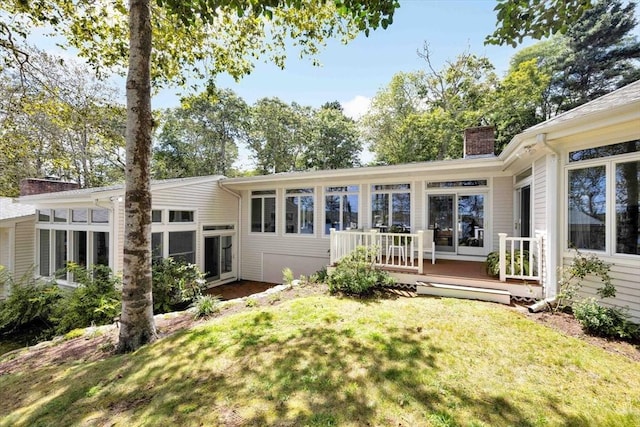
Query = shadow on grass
x=323 y=374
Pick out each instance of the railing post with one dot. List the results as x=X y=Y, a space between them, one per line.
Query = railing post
x=503 y=256
x=540 y=243
x=420 y=251
x=332 y=246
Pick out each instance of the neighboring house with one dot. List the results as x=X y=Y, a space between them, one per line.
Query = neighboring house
x=17 y=234
x=571 y=181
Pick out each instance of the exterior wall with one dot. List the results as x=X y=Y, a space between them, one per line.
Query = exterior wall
x=502 y=212
x=264 y=255
x=25 y=240
x=539 y=189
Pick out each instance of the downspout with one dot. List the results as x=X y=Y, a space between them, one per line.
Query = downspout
x=239 y=222
x=552 y=221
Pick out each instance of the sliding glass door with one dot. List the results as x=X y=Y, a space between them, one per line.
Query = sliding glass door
x=218 y=257
x=458 y=221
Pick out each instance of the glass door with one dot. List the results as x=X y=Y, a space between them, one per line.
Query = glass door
x=218 y=257
x=441 y=220
x=471 y=231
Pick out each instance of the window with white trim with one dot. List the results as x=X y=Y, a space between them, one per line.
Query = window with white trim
x=263 y=211
x=391 y=206
x=603 y=213
x=299 y=211
x=341 y=207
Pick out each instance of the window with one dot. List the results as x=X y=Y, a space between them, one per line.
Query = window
x=628 y=208
x=263 y=211
x=299 y=211
x=449 y=184
x=79 y=253
x=182 y=246
x=157 y=246
x=603 y=212
x=180 y=216
x=60 y=252
x=391 y=206
x=44 y=252
x=79 y=215
x=101 y=248
x=99 y=216
x=341 y=208
x=156 y=215
x=60 y=215
x=44 y=215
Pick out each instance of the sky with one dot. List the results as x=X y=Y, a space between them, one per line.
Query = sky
x=352 y=74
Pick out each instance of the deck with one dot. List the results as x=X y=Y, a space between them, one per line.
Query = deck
x=465 y=273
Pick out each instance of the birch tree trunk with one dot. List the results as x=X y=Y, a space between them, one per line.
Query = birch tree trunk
x=137 y=326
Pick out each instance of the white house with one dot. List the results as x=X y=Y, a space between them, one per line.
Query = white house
x=17 y=233
x=571 y=181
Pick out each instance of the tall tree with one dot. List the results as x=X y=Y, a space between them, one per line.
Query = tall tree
x=603 y=54
x=203 y=37
x=201 y=136
x=335 y=140
x=57 y=119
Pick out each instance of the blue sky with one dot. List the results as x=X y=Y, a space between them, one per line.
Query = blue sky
x=353 y=73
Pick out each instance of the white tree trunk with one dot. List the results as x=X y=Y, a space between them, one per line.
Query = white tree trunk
x=137 y=324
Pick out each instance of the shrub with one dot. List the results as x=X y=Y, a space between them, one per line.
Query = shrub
x=572 y=276
x=319 y=276
x=175 y=285
x=287 y=276
x=355 y=274
x=492 y=263
x=95 y=301
x=605 y=321
x=206 y=305
x=30 y=305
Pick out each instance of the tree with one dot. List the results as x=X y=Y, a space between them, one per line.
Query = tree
x=201 y=137
x=335 y=140
x=602 y=55
x=57 y=119
x=517 y=19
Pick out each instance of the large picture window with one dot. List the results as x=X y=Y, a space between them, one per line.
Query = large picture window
x=391 y=206
x=299 y=211
x=341 y=208
x=263 y=211
x=182 y=246
x=603 y=212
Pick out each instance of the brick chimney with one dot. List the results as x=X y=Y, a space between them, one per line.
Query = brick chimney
x=479 y=141
x=31 y=186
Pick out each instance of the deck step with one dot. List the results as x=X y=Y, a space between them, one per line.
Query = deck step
x=466 y=292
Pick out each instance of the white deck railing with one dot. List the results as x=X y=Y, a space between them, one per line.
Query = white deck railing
x=520 y=257
x=395 y=250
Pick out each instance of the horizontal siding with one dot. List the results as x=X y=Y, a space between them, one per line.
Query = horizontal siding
x=540 y=194
x=25 y=247
x=627 y=283
x=502 y=212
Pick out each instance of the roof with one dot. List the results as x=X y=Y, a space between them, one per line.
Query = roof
x=11 y=210
x=117 y=189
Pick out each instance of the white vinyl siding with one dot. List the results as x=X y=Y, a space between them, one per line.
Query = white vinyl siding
x=25 y=237
x=501 y=213
x=540 y=195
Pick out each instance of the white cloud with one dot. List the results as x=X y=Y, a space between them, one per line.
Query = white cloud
x=356 y=107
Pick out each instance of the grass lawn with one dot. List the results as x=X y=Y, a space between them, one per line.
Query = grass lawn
x=324 y=361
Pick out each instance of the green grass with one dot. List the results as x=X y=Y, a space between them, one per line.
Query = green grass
x=324 y=361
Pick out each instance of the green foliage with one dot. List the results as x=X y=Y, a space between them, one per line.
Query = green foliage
x=573 y=275
x=175 y=285
x=287 y=276
x=95 y=300
x=517 y=20
x=356 y=274
x=492 y=264
x=319 y=276
x=206 y=306
x=605 y=321
x=251 y=302
x=31 y=304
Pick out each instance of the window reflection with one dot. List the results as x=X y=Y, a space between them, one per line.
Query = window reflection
x=627 y=208
x=587 y=208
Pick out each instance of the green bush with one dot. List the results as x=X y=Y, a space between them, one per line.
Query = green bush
x=175 y=285
x=29 y=306
x=206 y=305
x=605 y=321
x=572 y=277
x=319 y=276
x=493 y=263
x=355 y=274
x=95 y=300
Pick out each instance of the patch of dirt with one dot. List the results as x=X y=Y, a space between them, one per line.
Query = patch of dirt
x=100 y=343
x=568 y=325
